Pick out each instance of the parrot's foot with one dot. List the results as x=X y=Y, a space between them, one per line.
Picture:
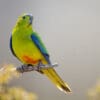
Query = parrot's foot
x=45 y=66
x=38 y=67
x=26 y=68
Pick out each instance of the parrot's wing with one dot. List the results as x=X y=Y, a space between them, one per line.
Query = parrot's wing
x=36 y=39
x=11 y=48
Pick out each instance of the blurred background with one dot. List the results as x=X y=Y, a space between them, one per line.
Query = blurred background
x=70 y=31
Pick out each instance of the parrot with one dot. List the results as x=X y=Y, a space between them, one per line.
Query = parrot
x=27 y=46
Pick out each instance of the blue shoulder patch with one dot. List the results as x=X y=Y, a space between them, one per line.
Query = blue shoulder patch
x=40 y=46
x=11 y=48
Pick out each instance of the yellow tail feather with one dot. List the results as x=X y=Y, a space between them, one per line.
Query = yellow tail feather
x=54 y=77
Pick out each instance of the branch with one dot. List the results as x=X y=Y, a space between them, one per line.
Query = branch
x=39 y=67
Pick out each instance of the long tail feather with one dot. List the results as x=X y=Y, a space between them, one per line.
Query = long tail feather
x=54 y=77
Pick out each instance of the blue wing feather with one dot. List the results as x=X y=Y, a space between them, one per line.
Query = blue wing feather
x=11 y=48
x=41 y=47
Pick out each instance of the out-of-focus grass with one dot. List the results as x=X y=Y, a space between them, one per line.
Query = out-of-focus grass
x=94 y=92
x=7 y=73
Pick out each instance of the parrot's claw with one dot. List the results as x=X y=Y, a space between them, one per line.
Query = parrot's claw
x=38 y=67
x=45 y=66
x=25 y=68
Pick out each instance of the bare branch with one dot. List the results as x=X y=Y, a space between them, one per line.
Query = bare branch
x=28 y=68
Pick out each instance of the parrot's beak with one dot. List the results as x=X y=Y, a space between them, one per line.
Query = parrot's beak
x=31 y=19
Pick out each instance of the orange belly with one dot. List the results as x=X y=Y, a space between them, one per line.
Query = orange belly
x=29 y=60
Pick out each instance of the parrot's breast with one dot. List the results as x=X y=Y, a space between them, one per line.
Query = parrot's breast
x=26 y=50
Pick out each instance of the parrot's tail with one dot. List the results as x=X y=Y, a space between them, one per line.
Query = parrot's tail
x=54 y=77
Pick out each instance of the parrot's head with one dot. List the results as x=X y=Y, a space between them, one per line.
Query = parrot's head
x=25 y=20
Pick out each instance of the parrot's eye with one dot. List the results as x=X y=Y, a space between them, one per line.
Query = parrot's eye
x=23 y=17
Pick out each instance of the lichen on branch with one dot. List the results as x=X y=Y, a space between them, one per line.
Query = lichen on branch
x=8 y=72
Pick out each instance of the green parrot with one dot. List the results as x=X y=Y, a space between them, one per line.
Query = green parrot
x=27 y=46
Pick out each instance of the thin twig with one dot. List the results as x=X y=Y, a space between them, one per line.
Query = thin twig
x=28 y=68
